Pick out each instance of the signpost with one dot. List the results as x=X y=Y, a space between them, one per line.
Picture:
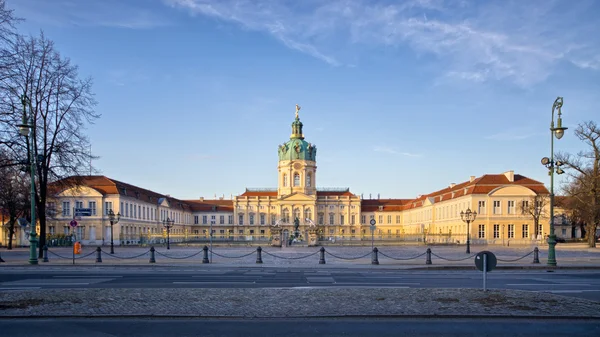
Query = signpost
x=373 y=227
x=73 y=224
x=212 y=222
x=485 y=261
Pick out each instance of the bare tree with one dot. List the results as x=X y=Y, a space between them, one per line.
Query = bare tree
x=14 y=198
x=535 y=207
x=584 y=173
x=60 y=105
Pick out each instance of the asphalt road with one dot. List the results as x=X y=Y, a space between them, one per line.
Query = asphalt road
x=582 y=284
x=299 y=327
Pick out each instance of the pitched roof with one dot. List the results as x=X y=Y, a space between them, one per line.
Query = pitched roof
x=219 y=205
x=482 y=185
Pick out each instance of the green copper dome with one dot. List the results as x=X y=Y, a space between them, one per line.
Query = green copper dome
x=297 y=148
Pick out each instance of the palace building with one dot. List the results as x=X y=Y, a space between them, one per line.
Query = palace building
x=297 y=205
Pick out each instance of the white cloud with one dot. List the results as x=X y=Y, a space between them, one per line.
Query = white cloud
x=516 y=41
x=512 y=135
x=386 y=149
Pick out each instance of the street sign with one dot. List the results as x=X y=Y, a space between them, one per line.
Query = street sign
x=491 y=261
x=73 y=223
x=83 y=212
x=373 y=227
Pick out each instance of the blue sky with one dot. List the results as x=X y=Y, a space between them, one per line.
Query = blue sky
x=400 y=97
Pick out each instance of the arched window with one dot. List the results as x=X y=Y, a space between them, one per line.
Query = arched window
x=308 y=180
x=307 y=214
x=285 y=178
x=286 y=215
x=296 y=179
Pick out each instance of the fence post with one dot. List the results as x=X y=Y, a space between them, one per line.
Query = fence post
x=45 y=254
x=536 y=256
x=322 y=255
x=98 y=255
x=205 y=258
x=152 y=259
x=259 y=255
x=428 y=261
x=374 y=259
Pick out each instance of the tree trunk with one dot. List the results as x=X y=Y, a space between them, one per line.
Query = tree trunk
x=11 y=232
x=592 y=236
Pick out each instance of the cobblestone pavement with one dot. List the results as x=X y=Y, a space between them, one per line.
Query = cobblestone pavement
x=279 y=302
x=574 y=256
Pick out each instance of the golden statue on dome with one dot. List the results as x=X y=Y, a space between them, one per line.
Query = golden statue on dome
x=297 y=109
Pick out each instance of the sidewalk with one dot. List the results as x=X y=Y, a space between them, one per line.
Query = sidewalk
x=348 y=257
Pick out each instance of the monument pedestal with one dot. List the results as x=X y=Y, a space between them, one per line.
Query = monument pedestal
x=276 y=237
x=312 y=237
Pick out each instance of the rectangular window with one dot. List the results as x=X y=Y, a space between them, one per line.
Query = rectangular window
x=139 y=212
x=524 y=207
x=66 y=208
x=497 y=208
x=222 y=219
x=252 y=219
x=204 y=219
x=511 y=207
x=525 y=231
x=481 y=207
x=196 y=220
x=241 y=219
x=363 y=219
x=92 y=206
x=262 y=219
x=126 y=209
x=380 y=219
x=342 y=222
x=511 y=231
x=389 y=219
x=107 y=207
x=397 y=219
x=78 y=204
x=331 y=219
x=273 y=219
x=320 y=219
x=564 y=232
x=481 y=232
x=230 y=219
x=352 y=219
x=496 y=231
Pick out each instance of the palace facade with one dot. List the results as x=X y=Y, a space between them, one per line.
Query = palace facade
x=338 y=214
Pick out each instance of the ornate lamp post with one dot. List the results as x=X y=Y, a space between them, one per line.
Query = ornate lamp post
x=113 y=218
x=168 y=224
x=557 y=132
x=24 y=130
x=468 y=217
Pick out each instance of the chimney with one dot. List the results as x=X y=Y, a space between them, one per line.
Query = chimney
x=472 y=179
x=201 y=198
x=378 y=196
x=452 y=185
x=510 y=175
x=370 y=196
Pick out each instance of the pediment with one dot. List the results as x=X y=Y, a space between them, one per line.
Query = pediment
x=163 y=202
x=297 y=196
x=512 y=190
x=80 y=191
x=428 y=201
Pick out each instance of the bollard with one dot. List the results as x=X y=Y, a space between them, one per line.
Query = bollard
x=205 y=258
x=428 y=261
x=536 y=255
x=98 y=255
x=259 y=255
x=152 y=259
x=1 y=258
x=374 y=259
x=45 y=254
x=322 y=255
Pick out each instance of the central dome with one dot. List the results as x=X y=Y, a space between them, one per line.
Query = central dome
x=297 y=149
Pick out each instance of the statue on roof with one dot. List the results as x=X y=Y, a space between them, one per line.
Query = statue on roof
x=297 y=109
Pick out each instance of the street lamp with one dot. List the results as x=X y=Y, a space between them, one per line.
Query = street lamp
x=24 y=130
x=373 y=227
x=168 y=224
x=113 y=218
x=468 y=217
x=557 y=132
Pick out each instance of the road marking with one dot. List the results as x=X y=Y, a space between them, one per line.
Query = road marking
x=380 y=283
x=548 y=284
x=212 y=282
x=19 y=288
x=84 y=276
x=52 y=284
